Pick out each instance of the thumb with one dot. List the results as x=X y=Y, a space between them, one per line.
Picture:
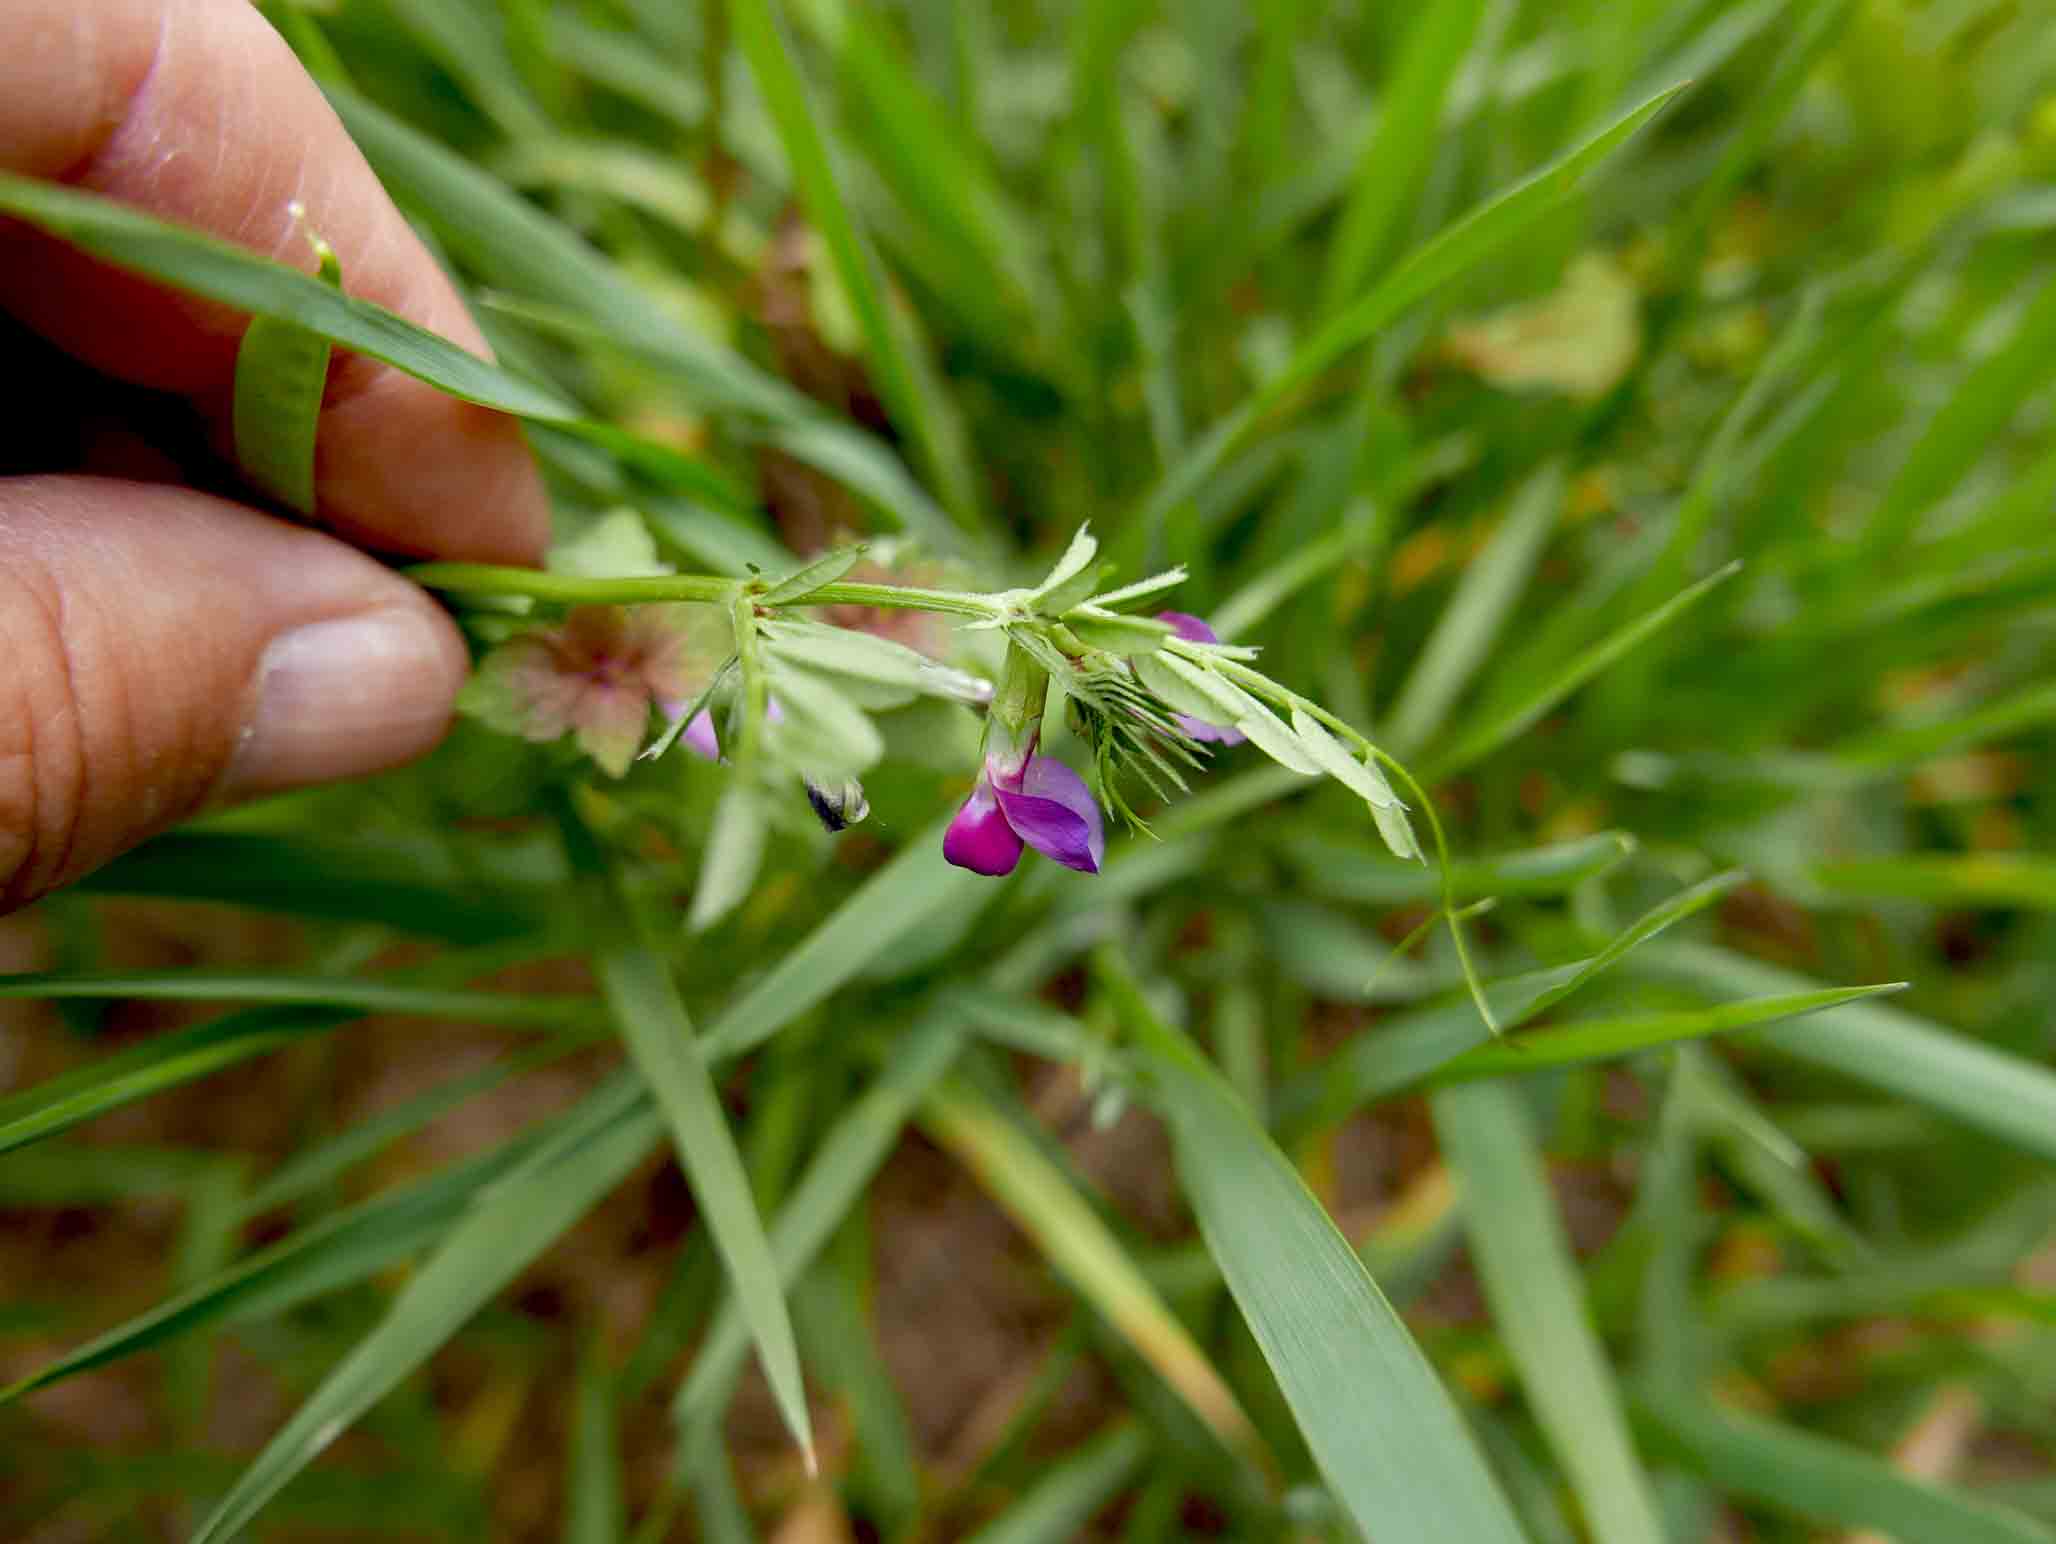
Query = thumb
x=163 y=649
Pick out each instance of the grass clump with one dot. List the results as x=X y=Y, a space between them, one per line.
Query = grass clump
x=1465 y=1106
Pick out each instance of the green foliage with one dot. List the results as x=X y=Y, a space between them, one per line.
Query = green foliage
x=883 y=357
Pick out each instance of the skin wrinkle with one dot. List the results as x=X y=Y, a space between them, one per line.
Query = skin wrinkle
x=53 y=756
x=135 y=642
x=217 y=73
x=134 y=614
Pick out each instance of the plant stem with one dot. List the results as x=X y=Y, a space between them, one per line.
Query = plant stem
x=756 y=690
x=572 y=589
x=1013 y=724
x=578 y=590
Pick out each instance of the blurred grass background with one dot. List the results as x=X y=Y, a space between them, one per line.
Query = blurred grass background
x=976 y=272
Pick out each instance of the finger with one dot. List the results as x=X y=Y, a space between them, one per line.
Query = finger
x=196 y=111
x=164 y=649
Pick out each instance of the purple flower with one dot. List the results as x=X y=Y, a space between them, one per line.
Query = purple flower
x=700 y=736
x=1045 y=806
x=1193 y=630
x=595 y=674
x=704 y=740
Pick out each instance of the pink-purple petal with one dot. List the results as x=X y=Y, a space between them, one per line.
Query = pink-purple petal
x=701 y=737
x=1199 y=729
x=1189 y=627
x=1056 y=814
x=1196 y=630
x=979 y=838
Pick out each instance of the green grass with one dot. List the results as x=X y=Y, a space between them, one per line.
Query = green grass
x=1747 y=645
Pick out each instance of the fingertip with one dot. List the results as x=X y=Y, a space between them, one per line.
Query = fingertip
x=164 y=650
x=403 y=468
x=345 y=696
x=197 y=112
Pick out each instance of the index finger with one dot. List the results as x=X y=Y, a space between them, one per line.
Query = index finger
x=196 y=111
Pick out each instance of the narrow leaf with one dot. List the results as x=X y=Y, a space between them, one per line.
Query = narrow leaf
x=364 y=996
x=1457 y=249
x=1818 y=1478
x=1406 y=1049
x=1397 y=155
x=2008 y=1096
x=1084 y=1251
x=507 y=1227
x=903 y=380
x=1538 y=1306
x=281 y=374
x=735 y=848
x=1344 y=871
x=1483 y=603
x=199 y=264
x=1384 y=1431
x=844 y=1164
x=1496 y=728
x=595 y=1512
x=912 y=890
x=167 y=1061
x=673 y=1062
x=1590 y=1040
x=806 y=579
x=1061 y=1504
x=351 y=1246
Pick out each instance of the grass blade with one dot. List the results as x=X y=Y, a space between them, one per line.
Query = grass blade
x=1064 y=1500
x=519 y=247
x=1454 y=251
x=1889 y=749
x=977 y=245
x=595 y=1512
x=361 y=997
x=59 y=1103
x=674 y=1063
x=201 y=265
x=843 y=1165
x=1964 y=429
x=1974 y=879
x=2013 y=1099
x=1381 y=1426
x=910 y=891
x=281 y=373
x=1502 y=725
x=1081 y=1248
x=1818 y=1478
x=1477 y=612
x=903 y=380
x=349 y=1247
x=507 y=1227
x=410 y=888
x=1396 y=157
x=1590 y=1040
x=1538 y=1306
x=1343 y=871
x=1406 y=1049
x=313 y=1167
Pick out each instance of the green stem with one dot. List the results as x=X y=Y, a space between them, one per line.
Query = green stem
x=1449 y=907
x=571 y=589
x=1013 y=723
x=578 y=590
x=902 y=597
x=756 y=687
x=1263 y=685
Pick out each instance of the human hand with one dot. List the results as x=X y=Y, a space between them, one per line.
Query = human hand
x=163 y=647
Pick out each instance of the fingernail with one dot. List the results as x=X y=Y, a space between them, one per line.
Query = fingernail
x=342 y=698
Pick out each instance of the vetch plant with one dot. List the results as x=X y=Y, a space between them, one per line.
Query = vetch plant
x=1496 y=735
x=1144 y=694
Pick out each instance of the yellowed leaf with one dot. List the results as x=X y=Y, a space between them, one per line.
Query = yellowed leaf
x=1580 y=339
